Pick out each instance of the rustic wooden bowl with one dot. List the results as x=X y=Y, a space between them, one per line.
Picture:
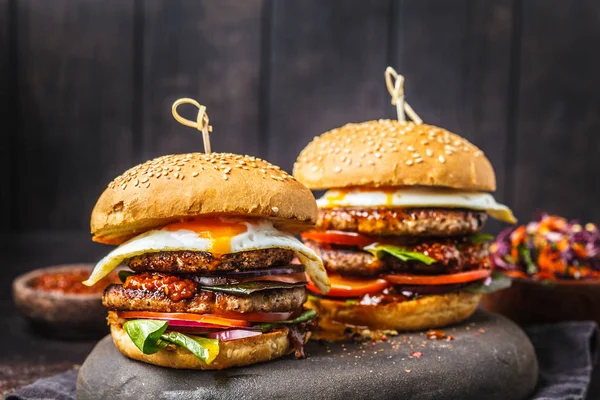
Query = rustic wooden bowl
x=530 y=302
x=66 y=315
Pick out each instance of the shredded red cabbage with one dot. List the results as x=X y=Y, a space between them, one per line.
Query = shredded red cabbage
x=548 y=248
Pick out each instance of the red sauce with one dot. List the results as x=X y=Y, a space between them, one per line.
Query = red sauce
x=173 y=286
x=436 y=334
x=70 y=282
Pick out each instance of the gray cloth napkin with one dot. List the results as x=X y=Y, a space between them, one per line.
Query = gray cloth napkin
x=57 y=387
x=566 y=353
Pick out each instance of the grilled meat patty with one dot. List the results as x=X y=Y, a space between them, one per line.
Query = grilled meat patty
x=190 y=262
x=402 y=222
x=451 y=255
x=118 y=298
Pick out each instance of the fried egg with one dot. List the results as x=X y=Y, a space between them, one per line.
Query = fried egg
x=217 y=236
x=411 y=197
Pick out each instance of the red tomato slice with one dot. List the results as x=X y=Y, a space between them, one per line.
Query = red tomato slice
x=460 y=277
x=339 y=237
x=350 y=286
x=261 y=316
x=204 y=318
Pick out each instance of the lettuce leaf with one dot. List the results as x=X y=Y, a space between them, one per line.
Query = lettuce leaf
x=203 y=348
x=150 y=336
x=379 y=250
x=248 y=288
x=146 y=334
x=480 y=238
x=498 y=281
x=305 y=316
x=124 y=274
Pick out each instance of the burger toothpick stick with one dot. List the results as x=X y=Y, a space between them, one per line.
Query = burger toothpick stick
x=201 y=122
x=395 y=85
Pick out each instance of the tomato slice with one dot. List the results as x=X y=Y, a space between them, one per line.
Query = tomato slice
x=460 y=277
x=339 y=237
x=204 y=318
x=260 y=316
x=350 y=286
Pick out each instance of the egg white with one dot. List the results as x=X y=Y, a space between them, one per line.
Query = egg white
x=259 y=235
x=418 y=197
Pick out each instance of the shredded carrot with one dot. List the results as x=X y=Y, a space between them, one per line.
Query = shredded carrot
x=516 y=238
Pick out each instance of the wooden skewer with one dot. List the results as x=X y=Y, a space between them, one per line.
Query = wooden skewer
x=395 y=85
x=201 y=123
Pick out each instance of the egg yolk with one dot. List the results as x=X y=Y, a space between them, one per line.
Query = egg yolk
x=218 y=231
x=335 y=199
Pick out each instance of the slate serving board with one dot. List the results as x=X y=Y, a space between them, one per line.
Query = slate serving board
x=490 y=357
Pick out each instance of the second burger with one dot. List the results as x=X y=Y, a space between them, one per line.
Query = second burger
x=399 y=228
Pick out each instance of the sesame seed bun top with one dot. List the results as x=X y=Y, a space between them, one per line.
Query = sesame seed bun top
x=169 y=188
x=392 y=153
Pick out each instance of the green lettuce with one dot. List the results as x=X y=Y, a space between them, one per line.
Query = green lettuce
x=150 y=336
x=480 y=238
x=499 y=281
x=146 y=334
x=379 y=250
x=305 y=316
x=203 y=348
x=248 y=288
x=124 y=274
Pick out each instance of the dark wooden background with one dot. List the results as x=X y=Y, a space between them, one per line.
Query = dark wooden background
x=86 y=88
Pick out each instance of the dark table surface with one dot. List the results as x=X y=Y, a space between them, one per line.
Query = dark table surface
x=27 y=356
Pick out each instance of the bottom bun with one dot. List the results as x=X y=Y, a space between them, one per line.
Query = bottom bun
x=235 y=353
x=432 y=311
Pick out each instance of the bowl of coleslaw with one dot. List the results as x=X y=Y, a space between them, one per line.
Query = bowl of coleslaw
x=555 y=267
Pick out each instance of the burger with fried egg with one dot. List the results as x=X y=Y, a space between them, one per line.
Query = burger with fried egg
x=209 y=239
x=399 y=228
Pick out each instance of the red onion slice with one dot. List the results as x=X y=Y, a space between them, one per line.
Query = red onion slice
x=293 y=277
x=233 y=334
x=176 y=323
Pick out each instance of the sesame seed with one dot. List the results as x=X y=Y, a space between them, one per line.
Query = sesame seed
x=337 y=169
x=416 y=155
x=429 y=152
x=275 y=209
x=418 y=160
x=195 y=174
x=225 y=177
x=378 y=155
x=442 y=159
x=409 y=162
x=314 y=168
x=410 y=148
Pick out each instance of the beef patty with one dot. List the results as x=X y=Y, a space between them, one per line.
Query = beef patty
x=189 y=262
x=118 y=298
x=402 y=222
x=451 y=255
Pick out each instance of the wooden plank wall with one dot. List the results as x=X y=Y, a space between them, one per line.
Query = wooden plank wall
x=5 y=114
x=86 y=88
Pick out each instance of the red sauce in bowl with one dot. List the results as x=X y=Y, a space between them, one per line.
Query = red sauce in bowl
x=70 y=282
